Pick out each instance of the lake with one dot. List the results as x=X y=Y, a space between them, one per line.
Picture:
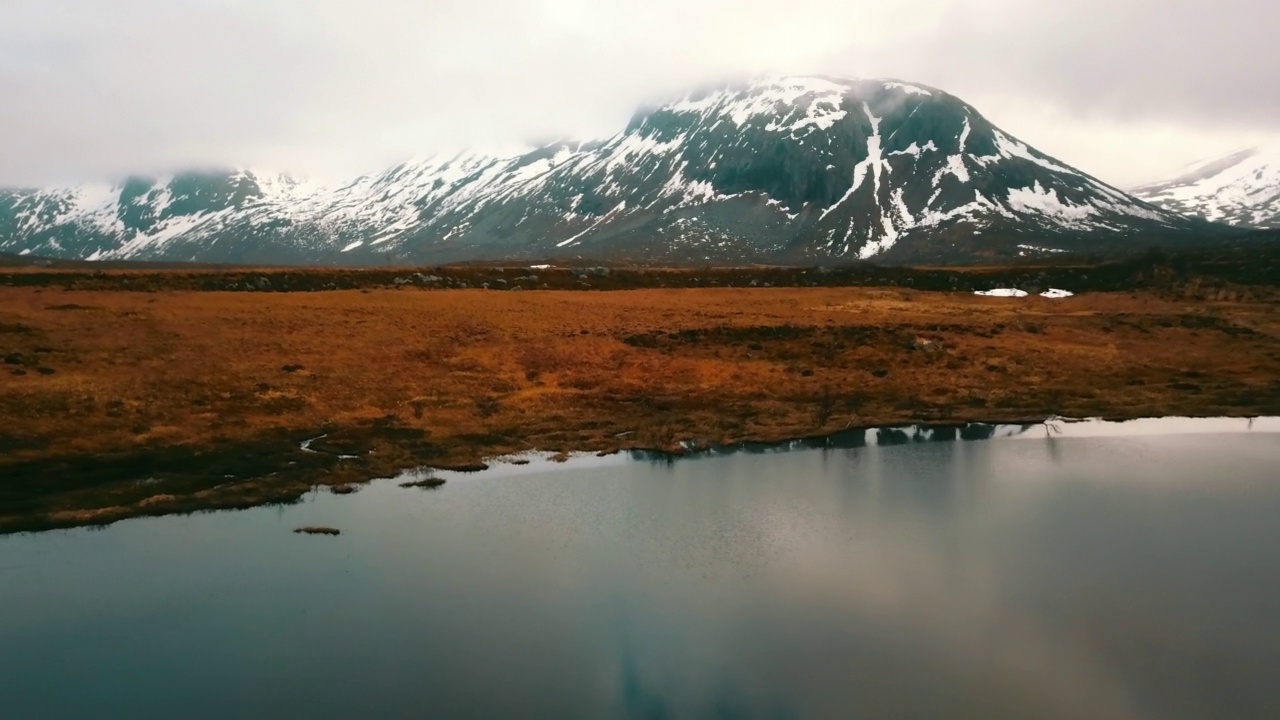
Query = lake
x=1077 y=571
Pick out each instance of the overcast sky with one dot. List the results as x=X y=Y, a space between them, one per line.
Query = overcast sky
x=1128 y=90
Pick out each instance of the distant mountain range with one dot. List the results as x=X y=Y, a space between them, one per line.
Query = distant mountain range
x=784 y=169
x=1242 y=189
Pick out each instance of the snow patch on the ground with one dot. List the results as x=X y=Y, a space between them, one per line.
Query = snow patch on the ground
x=1037 y=248
x=1052 y=293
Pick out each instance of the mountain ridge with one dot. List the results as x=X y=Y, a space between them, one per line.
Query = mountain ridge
x=784 y=168
x=1241 y=188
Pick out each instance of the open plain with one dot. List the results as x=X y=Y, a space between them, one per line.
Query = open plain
x=125 y=393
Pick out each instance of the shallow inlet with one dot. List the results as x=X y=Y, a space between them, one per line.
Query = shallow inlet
x=1067 y=570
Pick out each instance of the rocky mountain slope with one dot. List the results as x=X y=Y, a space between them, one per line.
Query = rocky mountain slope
x=784 y=169
x=1241 y=189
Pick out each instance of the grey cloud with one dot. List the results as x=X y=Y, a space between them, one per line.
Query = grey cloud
x=95 y=90
x=1212 y=63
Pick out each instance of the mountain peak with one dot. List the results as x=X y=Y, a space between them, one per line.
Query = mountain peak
x=769 y=94
x=780 y=168
x=1241 y=188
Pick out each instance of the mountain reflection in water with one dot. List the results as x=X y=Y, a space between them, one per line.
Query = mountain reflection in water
x=880 y=573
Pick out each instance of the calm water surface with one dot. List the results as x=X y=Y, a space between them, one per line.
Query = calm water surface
x=1057 y=577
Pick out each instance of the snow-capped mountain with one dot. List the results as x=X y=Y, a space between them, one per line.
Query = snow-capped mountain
x=805 y=169
x=1242 y=189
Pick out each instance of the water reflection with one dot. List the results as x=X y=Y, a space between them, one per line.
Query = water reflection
x=1102 y=578
x=848 y=439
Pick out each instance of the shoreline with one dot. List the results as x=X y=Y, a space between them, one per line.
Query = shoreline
x=881 y=436
x=259 y=491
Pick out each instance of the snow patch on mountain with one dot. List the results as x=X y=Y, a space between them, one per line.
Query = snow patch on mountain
x=1008 y=148
x=1036 y=199
x=907 y=88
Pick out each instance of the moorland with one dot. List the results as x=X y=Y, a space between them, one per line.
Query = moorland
x=136 y=390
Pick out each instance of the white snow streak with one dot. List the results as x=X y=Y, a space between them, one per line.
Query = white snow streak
x=1038 y=200
x=874 y=163
x=621 y=206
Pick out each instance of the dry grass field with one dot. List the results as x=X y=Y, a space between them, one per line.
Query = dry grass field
x=117 y=403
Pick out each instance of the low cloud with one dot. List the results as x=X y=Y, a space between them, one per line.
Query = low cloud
x=1125 y=90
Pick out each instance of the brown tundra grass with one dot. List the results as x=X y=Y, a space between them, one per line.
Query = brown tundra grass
x=174 y=401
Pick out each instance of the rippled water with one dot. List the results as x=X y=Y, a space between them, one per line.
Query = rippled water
x=1045 y=576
